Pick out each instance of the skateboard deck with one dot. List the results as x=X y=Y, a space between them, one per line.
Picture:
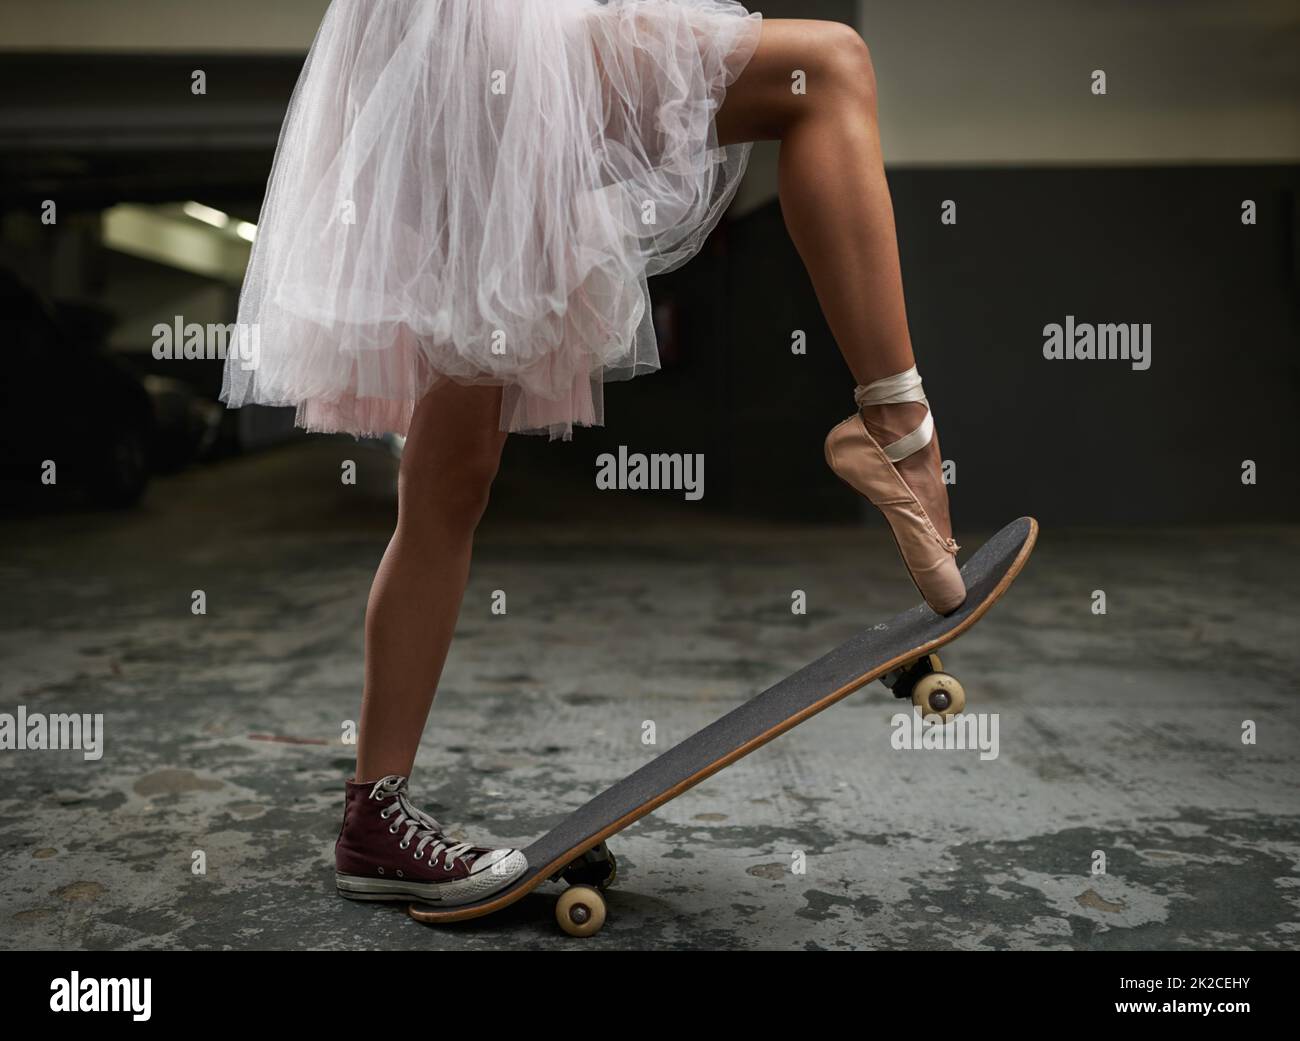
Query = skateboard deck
x=882 y=651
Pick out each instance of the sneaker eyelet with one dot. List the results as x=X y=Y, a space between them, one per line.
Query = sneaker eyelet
x=392 y=828
x=399 y=873
x=405 y=845
x=381 y=871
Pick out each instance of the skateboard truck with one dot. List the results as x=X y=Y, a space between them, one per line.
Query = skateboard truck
x=598 y=867
x=933 y=691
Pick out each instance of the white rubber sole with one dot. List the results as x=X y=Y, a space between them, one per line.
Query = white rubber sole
x=443 y=894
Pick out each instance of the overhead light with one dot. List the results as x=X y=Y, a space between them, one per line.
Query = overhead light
x=246 y=231
x=206 y=214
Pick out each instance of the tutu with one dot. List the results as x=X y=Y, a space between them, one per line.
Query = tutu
x=477 y=190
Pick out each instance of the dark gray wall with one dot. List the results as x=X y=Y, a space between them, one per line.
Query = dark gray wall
x=1080 y=442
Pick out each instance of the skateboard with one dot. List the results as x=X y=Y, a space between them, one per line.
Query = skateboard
x=899 y=652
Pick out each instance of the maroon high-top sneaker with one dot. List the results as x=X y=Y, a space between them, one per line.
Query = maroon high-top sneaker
x=388 y=849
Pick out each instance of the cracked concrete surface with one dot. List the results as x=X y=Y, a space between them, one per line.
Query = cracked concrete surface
x=1120 y=735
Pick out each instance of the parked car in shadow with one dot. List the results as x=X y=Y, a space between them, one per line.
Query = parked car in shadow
x=75 y=422
x=186 y=424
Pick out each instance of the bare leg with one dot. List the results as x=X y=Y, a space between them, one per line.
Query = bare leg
x=451 y=457
x=838 y=210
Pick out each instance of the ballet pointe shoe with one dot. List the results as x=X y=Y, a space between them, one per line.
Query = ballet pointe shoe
x=860 y=461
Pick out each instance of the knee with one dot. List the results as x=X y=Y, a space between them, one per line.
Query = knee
x=455 y=492
x=845 y=64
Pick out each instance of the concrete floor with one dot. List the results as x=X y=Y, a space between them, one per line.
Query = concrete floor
x=1118 y=733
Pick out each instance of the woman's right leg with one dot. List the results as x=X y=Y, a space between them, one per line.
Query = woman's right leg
x=836 y=204
x=451 y=457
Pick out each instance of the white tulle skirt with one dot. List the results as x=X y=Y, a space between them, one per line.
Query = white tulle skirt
x=477 y=190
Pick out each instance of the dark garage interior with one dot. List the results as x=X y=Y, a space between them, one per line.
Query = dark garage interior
x=1171 y=490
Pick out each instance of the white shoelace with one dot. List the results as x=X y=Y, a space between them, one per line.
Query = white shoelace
x=419 y=825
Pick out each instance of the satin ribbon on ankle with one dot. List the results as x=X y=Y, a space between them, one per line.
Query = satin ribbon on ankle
x=897 y=390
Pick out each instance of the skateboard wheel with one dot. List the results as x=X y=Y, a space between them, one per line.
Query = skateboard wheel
x=580 y=911
x=939 y=694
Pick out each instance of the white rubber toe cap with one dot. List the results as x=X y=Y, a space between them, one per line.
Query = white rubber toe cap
x=503 y=864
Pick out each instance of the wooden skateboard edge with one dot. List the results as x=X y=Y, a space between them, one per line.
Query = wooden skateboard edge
x=514 y=894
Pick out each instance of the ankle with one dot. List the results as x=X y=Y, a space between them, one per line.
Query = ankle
x=888 y=423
